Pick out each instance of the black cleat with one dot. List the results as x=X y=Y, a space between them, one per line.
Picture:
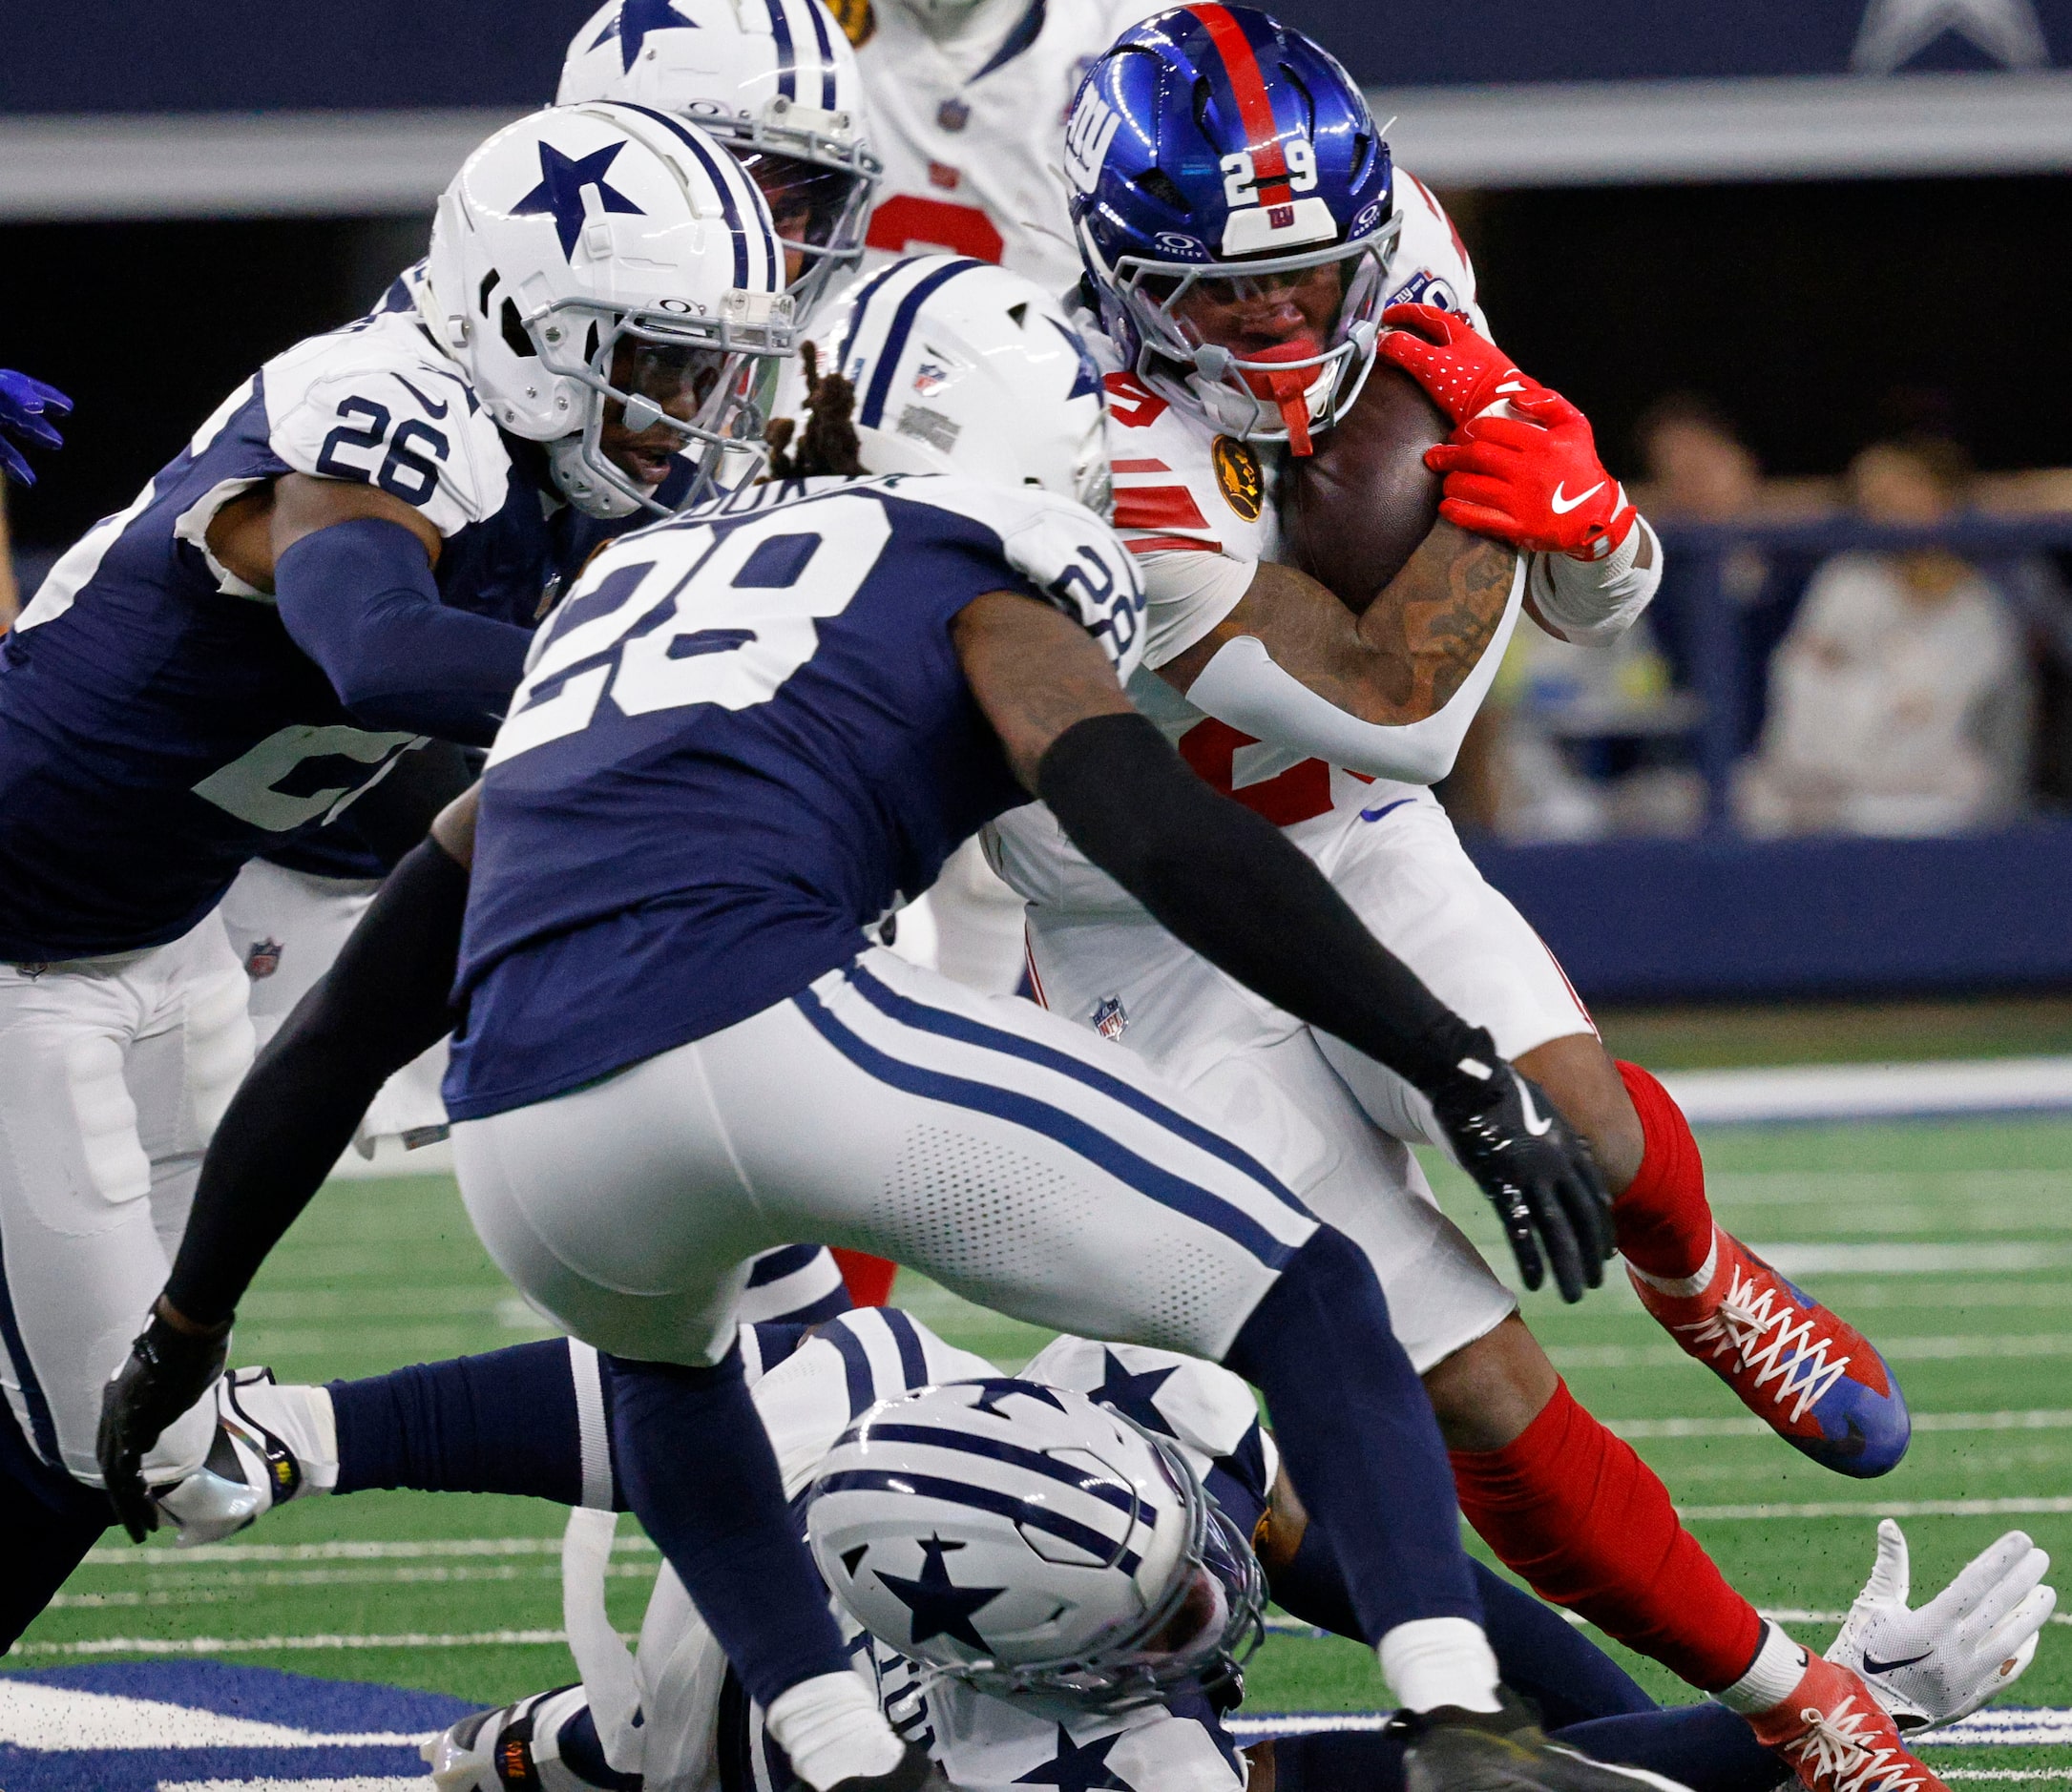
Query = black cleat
x=1451 y=1750
x=916 y=1772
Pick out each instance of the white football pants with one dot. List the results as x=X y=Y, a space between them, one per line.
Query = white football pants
x=1096 y=957
x=117 y=1071
x=288 y=926
x=1018 y=1160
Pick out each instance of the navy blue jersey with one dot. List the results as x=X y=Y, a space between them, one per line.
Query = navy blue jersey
x=158 y=725
x=744 y=737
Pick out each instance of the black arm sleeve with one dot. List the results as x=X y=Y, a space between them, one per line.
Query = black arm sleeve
x=378 y=1006
x=398 y=812
x=1228 y=884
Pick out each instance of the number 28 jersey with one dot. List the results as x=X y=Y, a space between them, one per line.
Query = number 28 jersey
x=744 y=737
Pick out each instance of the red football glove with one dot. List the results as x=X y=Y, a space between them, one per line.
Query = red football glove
x=1532 y=480
x=1462 y=369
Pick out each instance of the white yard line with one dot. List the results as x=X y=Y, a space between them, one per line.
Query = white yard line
x=277 y=1645
x=1933 y=1347
x=2016 y=1507
x=415 y=1548
x=1836 y=1092
x=2042 y=1419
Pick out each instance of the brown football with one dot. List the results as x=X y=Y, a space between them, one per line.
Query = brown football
x=1354 y=512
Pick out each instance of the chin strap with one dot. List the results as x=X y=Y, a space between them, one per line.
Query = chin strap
x=1286 y=387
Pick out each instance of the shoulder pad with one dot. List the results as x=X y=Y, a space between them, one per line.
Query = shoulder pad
x=1431 y=265
x=1059 y=546
x=377 y=405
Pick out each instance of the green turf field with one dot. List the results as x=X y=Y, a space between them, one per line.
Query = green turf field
x=1973 y=1306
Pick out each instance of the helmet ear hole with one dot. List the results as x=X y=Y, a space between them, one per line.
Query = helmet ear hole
x=590 y=344
x=482 y=294
x=1159 y=184
x=514 y=337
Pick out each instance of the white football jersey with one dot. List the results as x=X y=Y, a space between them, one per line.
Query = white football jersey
x=1183 y=495
x=972 y=129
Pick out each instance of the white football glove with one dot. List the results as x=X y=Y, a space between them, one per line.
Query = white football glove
x=1970 y=1643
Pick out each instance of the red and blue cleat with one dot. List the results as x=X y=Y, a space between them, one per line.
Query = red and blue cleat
x=1812 y=1378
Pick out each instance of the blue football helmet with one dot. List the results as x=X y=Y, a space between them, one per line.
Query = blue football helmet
x=1213 y=151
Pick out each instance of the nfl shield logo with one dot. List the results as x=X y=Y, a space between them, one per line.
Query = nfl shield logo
x=262 y=959
x=930 y=378
x=952 y=114
x=1109 y=1018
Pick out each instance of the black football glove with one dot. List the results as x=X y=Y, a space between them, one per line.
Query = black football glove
x=166 y=1372
x=1537 y=1174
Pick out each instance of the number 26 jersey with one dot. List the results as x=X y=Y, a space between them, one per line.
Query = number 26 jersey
x=745 y=736
x=158 y=724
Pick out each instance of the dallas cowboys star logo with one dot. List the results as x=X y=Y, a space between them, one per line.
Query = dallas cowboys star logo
x=1077 y=1769
x=1005 y=1386
x=633 y=20
x=1894 y=31
x=560 y=192
x=941 y=1607
x=1131 y=1395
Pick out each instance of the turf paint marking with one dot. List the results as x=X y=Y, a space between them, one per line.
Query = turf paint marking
x=2000 y=1727
x=362 y=1783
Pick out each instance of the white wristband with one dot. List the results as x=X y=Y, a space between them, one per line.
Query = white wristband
x=1593 y=600
x=1243 y=687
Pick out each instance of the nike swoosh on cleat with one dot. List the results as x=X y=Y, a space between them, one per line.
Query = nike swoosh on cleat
x=1873 y=1665
x=1533 y=1114
x=1562 y=507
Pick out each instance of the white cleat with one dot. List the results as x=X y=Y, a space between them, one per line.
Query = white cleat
x=515 y=1746
x=273 y=1444
x=1968 y=1644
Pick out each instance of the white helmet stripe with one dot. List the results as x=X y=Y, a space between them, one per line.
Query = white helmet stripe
x=755 y=246
x=817 y=16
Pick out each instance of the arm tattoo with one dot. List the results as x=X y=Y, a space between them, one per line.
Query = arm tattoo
x=1431 y=624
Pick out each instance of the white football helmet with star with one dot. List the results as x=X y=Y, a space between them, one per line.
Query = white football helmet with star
x=602 y=265
x=1968 y=1644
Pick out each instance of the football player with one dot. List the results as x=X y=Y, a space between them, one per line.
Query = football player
x=1073 y=1676
x=968 y=102
x=344 y=561
x=968 y=105
x=531 y=1420
x=740 y=737
x=1242 y=232
x=779 y=88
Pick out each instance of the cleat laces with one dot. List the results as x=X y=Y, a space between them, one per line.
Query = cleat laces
x=1752 y=1309
x=1835 y=1753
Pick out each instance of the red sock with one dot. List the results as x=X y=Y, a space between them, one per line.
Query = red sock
x=1663 y=1221
x=869 y=1279
x=1589 y=1525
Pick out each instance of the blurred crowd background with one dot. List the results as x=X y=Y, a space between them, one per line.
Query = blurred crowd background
x=1806 y=271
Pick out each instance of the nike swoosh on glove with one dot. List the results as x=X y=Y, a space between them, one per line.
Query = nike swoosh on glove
x=23 y=403
x=1464 y=372
x=1970 y=1643
x=1538 y=1174
x=1533 y=479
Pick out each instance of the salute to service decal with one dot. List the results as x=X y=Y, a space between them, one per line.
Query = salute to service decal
x=1238 y=477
